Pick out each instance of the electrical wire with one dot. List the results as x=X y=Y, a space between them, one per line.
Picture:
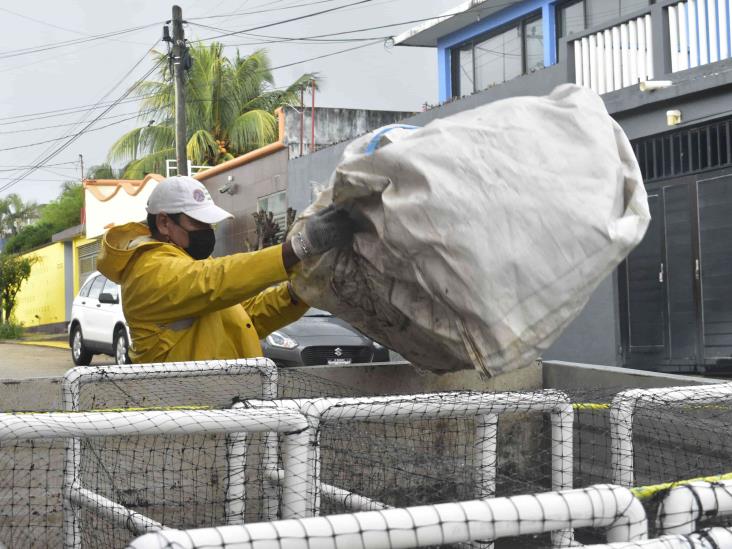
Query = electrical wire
x=64 y=43
x=52 y=25
x=238 y=14
x=55 y=139
x=26 y=130
x=51 y=153
x=290 y=20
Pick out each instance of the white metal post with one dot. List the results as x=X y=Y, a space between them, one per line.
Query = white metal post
x=684 y=506
x=236 y=462
x=295 y=487
x=623 y=409
x=75 y=378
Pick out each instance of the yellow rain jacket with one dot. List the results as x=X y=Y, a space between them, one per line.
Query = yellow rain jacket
x=179 y=308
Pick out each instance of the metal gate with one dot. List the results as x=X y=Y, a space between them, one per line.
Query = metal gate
x=87 y=254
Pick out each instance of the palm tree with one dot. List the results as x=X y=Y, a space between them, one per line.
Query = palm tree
x=15 y=214
x=230 y=106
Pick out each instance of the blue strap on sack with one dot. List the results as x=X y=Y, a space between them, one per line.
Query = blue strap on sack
x=374 y=143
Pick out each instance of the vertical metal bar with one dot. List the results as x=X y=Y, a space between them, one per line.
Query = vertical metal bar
x=683 y=37
x=633 y=51
x=302 y=118
x=600 y=63
x=236 y=461
x=703 y=26
x=713 y=34
x=312 y=117
x=592 y=46
x=673 y=34
x=625 y=54
x=698 y=285
x=486 y=431
x=649 y=47
x=693 y=33
x=578 y=62
x=642 y=71
x=72 y=464
x=617 y=68
x=723 y=33
x=609 y=84
x=486 y=438
x=562 y=463
x=270 y=453
x=295 y=485
x=586 y=63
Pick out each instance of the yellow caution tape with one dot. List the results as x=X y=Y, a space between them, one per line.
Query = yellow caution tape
x=645 y=492
x=117 y=410
x=590 y=406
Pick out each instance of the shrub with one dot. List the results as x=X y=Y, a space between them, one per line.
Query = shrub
x=10 y=330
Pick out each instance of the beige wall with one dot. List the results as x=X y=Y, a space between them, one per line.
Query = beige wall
x=250 y=182
x=120 y=209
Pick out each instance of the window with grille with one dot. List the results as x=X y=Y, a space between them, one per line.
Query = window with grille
x=682 y=152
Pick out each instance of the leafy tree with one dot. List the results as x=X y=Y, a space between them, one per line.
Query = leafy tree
x=14 y=270
x=100 y=171
x=62 y=213
x=29 y=237
x=229 y=111
x=15 y=214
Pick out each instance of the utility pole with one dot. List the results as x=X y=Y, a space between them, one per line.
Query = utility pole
x=179 y=54
x=81 y=163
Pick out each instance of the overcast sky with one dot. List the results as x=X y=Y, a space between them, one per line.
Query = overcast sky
x=373 y=77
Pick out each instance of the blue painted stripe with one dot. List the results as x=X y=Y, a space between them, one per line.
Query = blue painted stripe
x=493 y=22
x=374 y=142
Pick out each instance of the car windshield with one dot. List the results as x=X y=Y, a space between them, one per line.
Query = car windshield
x=317 y=312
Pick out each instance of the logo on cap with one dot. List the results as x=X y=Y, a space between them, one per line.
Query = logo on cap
x=198 y=195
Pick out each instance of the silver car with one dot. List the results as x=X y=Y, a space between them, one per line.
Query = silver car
x=319 y=338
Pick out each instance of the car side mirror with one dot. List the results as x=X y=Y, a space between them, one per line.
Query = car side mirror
x=106 y=297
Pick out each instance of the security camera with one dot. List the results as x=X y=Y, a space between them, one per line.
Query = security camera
x=229 y=187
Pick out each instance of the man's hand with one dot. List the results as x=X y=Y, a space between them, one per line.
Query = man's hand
x=329 y=228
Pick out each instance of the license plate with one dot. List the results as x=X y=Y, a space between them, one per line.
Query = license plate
x=339 y=362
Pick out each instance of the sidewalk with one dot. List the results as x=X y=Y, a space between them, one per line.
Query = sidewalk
x=43 y=343
x=57 y=341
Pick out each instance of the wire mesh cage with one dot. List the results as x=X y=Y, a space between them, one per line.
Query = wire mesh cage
x=104 y=471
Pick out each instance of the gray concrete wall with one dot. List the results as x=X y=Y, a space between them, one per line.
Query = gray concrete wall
x=570 y=376
x=249 y=182
x=332 y=125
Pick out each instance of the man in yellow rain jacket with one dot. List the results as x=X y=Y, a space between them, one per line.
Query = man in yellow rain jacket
x=180 y=303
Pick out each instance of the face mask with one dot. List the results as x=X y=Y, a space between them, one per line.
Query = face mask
x=201 y=243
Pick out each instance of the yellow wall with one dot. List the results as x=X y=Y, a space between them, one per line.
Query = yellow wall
x=43 y=293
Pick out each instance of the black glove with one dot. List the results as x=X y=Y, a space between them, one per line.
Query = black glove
x=329 y=228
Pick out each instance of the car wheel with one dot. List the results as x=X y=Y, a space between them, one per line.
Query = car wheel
x=121 y=347
x=79 y=353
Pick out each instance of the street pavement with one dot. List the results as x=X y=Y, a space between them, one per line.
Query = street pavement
x=25 y=361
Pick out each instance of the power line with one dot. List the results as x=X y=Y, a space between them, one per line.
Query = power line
x=292 y=19
x=237 y=14
x=64 y=43
x=52 y=25
x=49 y=154
x=27 y=145
x=280 y=39
x=26 y=130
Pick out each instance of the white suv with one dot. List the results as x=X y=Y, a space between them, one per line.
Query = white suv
x=97 y=323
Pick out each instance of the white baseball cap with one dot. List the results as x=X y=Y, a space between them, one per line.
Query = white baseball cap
x=183 y=194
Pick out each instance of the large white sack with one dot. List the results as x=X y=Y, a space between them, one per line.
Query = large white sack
x=485 y=232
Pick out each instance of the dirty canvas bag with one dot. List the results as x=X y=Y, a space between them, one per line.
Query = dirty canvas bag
x=483 y=233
